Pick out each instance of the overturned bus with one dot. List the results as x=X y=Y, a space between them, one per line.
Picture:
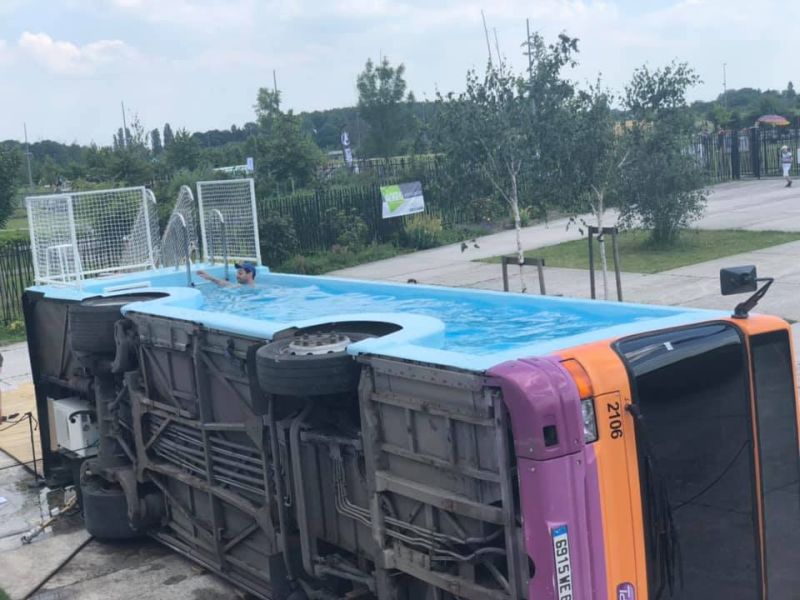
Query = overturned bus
x=321 y=438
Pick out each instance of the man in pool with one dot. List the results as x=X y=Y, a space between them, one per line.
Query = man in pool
x=245 y=275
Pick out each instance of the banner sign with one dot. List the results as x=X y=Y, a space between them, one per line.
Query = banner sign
x=348 y=152
x=403 y=199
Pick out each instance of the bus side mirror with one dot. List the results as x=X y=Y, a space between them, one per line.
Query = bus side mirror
x=737 y=280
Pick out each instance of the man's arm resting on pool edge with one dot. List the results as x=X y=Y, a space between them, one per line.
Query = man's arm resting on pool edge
x=211 y=278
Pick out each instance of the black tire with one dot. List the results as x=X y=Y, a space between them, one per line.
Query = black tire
x=91 y=323
x=105 y=510
x=284 y=374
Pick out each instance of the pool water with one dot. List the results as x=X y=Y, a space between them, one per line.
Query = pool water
x=472 y=326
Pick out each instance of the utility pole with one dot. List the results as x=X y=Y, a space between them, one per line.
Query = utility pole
x=724 y=85
x=497 y=47
x=274 y=82
x=28 y=156
x=529 y=51
x=486 y=33
x=124 y=141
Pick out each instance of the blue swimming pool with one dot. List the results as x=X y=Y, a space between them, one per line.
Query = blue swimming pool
x=476 y=325
x=462 y=328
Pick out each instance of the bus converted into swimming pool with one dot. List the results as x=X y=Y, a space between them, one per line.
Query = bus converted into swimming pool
x=322 y=438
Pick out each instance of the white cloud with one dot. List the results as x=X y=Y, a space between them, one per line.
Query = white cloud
x=228 y=48
x=67 y=58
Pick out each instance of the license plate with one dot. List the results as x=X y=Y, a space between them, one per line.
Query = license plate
x=563 y=563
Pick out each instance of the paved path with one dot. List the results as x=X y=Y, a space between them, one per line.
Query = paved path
x=16 y=366
x=753 y=204
x=757 y=205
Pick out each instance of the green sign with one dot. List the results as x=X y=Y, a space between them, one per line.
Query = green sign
x=402 y=199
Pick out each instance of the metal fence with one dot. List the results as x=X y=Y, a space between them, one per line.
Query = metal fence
x=386 y=170
x=310 y=212
x=752 y=152
x=228 y=221
x=180 y=242
x=16 y=273
x=92 y=234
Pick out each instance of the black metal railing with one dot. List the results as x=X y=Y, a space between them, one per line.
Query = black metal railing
x=754 y=152
x=16 y=273
x=309 y=212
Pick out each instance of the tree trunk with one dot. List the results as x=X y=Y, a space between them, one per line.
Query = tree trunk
x=518 y=229
x=602 y=242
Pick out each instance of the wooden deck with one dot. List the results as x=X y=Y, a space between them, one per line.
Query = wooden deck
x=15 y=439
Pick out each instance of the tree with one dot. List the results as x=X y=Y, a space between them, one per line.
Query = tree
x=598 y=160
x=383 y=103
x=663 y=183
x=720 y=116
x=130 y=162
x=550 y=95
x=484 y=131
x=10 y=164
x=98 y=163
x=183 y=152
x=283 y=151
x=155 y=142
x=119 y=140
x=168 y=136
x=49 y=171
x=268 y=107
x=497 y=133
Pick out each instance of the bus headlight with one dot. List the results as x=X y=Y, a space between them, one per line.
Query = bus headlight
x=589 y=420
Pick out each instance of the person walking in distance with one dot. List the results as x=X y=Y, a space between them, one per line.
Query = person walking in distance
x=786 y=163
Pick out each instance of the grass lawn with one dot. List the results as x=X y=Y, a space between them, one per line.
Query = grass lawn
x=11 y=334
x=638 y=256
x=18 y=219
x=17 y=223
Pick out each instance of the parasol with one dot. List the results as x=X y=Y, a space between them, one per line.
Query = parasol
x=772 y=120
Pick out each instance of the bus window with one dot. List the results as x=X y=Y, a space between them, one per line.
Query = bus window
x=694 y=438
x=780 y=464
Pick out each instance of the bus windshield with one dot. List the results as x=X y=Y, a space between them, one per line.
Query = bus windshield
x=695 y=442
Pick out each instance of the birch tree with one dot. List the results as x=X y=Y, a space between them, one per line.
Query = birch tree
x=599 y=159
x=493 y=132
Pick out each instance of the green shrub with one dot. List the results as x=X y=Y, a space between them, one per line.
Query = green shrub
x=422 y=231
x=13 y=332
x=486 y=209
x=348 y=228
x=278 y=238
x=525 y=217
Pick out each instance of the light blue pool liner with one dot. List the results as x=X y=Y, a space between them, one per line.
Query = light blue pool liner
x=462 y=328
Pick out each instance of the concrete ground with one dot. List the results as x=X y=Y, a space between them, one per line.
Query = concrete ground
x=139 y=569
x=144 y=570
x=16 y=366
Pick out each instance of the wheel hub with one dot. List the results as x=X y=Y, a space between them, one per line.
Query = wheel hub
x=311 y=344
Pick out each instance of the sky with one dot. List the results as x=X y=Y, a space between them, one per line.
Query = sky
x=66 y=65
